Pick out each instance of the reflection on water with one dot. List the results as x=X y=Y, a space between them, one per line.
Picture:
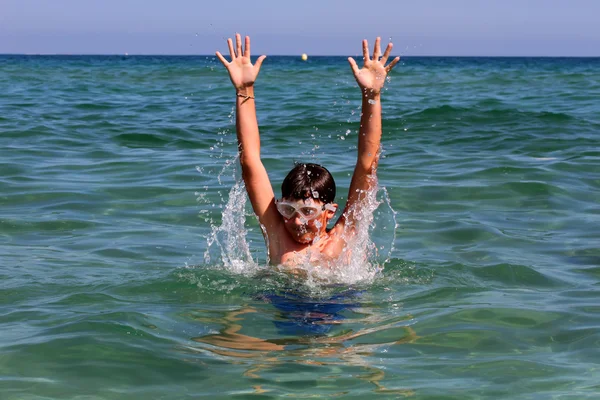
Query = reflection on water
x=327 y=333
x=303 y=315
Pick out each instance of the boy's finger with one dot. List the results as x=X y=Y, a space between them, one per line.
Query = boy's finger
x=238 y=44
x=220 y=57
x=247 y=47
x=377 y=49
x=366 y=50
x=259 y=61
x=353 y=65
x=231 y=52
x=392 y=64
x=388 y=50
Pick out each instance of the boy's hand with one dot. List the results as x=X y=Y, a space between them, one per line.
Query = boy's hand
x=241 y=71
x=371 y=77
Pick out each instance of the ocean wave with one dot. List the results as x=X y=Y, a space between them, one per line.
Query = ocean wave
x=479 y=113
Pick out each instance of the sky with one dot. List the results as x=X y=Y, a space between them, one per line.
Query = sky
x=315 y=27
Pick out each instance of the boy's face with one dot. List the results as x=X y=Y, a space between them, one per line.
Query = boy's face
x=299 y=223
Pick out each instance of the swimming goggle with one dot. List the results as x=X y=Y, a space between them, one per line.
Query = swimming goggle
x=306 y=211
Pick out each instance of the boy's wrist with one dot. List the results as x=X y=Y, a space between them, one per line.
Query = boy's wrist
x=370 y=94
x=245 y=91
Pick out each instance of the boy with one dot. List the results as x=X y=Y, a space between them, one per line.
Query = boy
x=295 y=226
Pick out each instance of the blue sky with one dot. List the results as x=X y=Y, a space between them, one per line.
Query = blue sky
x=333 y=27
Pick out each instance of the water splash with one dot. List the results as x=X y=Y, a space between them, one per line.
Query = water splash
x=369 y=243
x=227 y=243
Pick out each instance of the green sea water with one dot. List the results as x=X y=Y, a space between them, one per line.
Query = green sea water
x=127 y=270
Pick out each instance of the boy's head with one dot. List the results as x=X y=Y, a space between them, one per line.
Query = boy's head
x=309 y=181
x=307 y=194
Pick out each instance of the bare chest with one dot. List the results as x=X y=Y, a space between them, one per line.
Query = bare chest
x=288 y=252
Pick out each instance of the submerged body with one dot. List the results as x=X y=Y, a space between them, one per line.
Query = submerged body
x=295 y=226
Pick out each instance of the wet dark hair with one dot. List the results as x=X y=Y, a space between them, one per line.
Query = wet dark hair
x=306 y=181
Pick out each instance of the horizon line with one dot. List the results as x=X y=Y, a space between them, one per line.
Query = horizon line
x=290 y=55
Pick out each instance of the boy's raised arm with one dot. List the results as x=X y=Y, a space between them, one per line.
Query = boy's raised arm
x=370 y=79
x=243 y=75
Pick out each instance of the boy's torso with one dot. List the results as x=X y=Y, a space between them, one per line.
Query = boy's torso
x=284 y=250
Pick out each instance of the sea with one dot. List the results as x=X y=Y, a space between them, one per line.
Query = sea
x=133 y=267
